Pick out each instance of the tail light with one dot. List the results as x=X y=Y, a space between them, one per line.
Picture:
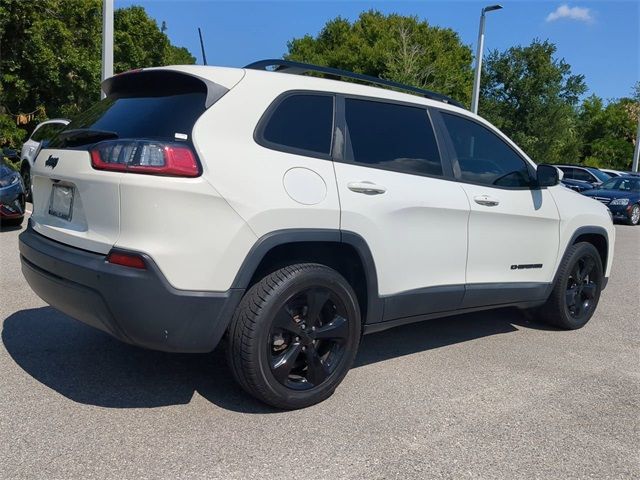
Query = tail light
x=145 y=156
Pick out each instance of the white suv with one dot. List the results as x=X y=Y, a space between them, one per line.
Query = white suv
x=288 y=214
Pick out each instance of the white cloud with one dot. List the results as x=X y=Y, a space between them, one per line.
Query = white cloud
x=580 y=14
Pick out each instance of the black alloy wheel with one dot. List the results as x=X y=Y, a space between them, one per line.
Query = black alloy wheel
x=26 y=180
x=577 y=288
x=294 y=335
x=308 y=338
x=581 y=288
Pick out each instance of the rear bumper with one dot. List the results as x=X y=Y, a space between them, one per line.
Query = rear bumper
x=136 y=306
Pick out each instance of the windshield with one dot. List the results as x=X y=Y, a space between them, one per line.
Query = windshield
x=623 y=184
x=603 y=177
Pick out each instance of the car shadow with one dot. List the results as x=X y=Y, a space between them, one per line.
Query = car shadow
x=437 y=333
x=89 y=367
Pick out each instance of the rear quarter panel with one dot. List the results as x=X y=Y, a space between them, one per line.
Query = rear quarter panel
x=196 y=239
x=251 y=177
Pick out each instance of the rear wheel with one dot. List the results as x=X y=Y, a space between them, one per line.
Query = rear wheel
x=25 y=173
x=577 y=290
x=294 y=336
x=634 y=215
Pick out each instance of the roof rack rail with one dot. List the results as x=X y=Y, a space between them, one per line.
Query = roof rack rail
x=298 y=68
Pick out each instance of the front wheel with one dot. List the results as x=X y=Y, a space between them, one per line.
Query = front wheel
x=294 y=336
x=577 y=289
x=634 y=215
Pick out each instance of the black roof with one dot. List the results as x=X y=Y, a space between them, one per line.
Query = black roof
x=298 y=68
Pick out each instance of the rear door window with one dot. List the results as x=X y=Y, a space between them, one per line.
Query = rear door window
x=583 y=175
x=299 y=123
x=391 y=136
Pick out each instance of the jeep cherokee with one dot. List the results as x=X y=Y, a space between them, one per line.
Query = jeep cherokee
x=288 y=214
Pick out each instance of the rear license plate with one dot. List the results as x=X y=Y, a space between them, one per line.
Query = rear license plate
x=61 y=202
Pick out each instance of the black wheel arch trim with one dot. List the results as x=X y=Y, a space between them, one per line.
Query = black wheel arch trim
x=281 y=237
x=588 y=230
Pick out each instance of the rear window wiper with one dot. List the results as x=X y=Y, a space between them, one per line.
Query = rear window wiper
x=83 y=136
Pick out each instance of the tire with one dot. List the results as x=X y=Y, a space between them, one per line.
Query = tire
x=294 y=336
x=576 y=293
x=634 y=215
x=25 y=173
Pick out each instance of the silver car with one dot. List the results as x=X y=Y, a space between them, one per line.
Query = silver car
x=42 y=133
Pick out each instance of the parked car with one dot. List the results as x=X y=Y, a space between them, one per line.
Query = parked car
x=612 y=173
x=622 y=196
x=12 y=196
x=584 y=174
x=576 y=185
x=42 y=134
x=288 y=214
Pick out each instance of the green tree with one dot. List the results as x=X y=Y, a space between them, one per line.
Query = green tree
x=393 y=47
x=532 y=96
x=139 y=42
x=608 y=132
x=50 y=56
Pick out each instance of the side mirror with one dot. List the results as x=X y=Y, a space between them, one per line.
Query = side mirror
x=547 y=176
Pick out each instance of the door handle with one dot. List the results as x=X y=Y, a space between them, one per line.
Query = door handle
x=367 y=188
x=486 y=200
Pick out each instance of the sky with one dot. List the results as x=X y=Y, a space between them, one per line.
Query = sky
x=599 y=39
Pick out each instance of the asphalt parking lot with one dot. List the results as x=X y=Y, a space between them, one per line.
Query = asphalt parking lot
x=489 y=395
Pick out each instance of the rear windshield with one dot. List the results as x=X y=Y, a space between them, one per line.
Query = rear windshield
x=161 y=110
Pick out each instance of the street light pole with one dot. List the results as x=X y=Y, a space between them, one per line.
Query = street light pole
x=107 y=41
x=476 y=79
x=636 y=151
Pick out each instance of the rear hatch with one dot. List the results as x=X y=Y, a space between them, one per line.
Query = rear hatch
x=146 y=119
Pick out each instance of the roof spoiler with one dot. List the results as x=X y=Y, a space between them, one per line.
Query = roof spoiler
x=160 y=82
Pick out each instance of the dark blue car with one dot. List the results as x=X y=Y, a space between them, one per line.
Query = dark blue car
x=576 y=185
x=12 y=196
x=622 y=196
